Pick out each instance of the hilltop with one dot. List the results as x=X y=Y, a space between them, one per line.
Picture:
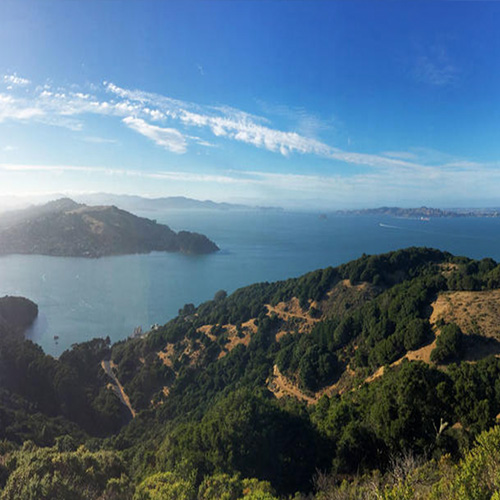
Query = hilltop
x=380 y=372
x=69 y=229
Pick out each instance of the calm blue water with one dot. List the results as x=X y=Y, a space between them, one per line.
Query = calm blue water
x=80 y=299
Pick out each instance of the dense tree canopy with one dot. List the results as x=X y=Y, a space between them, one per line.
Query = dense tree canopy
x=208 y=425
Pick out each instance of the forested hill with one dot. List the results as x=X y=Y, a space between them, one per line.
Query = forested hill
x=68 y=229
x=369 y=380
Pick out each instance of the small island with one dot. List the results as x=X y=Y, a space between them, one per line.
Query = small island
x=64 y=228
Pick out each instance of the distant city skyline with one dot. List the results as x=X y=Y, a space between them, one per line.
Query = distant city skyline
x=297 y=104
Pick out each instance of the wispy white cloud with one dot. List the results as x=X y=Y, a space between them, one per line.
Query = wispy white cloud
x=13 y=79
x=170 y=122
x=224 y=122
x=168 y=138
x=65 y=108
x=15 y=109
x=233 y=124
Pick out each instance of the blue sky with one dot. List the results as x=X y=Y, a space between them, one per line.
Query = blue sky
x=302 y=104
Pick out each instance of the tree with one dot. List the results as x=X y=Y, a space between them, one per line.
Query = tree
x=220 y=295
x=220 y=487
x=187 y=310
x=448 y=344
x=47 y=473
x=165 y=486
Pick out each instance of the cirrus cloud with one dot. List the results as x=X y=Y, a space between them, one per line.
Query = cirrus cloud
x=168 y=138
x=169 y=122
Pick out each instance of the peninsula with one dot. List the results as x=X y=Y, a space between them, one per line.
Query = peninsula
x=65 y=228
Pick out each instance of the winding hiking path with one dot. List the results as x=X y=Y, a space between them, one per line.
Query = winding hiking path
x=281 y=386
x=107 y=366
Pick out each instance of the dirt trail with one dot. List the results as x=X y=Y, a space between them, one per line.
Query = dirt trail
x=280 y=386
x=108 y=366
x=421 y=354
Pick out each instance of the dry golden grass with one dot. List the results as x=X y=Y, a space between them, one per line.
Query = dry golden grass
x=294 y=317
x=166 y=355
x=248 y=329
x=206 y=329
x=233 y=338
x=473 y=312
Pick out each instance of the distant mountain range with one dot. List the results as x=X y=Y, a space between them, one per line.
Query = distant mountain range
x=422 y=212
x=131 y=202
x=66 y=228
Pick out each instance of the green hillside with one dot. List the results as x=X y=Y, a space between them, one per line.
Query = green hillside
x=370 y=380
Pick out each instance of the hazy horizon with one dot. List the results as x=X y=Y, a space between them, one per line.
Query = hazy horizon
x=14 y=202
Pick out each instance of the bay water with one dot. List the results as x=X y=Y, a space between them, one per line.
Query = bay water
x=80 y=299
